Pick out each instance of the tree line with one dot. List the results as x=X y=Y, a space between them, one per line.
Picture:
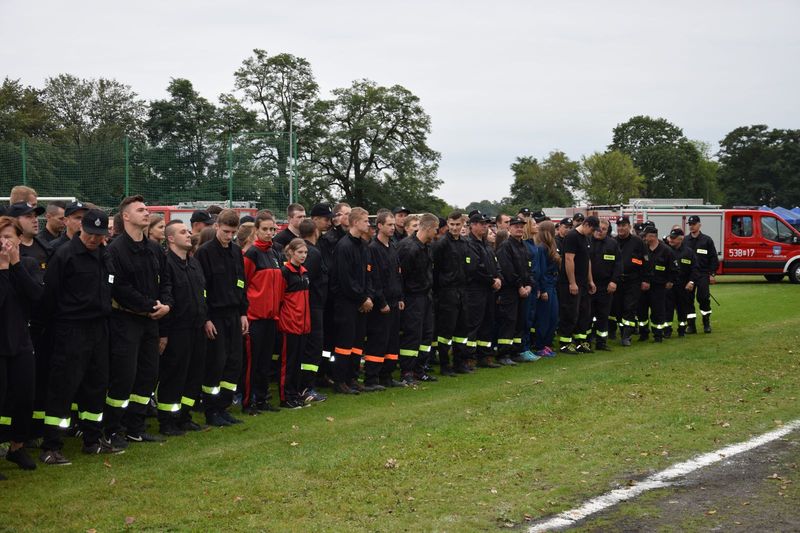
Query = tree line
x=652 y=158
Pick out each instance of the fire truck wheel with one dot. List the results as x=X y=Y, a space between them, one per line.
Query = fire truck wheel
x=794 y=272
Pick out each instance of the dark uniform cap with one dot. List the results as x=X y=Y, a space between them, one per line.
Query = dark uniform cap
x=473 y=212
x=516 y=222
x=95 y=222
x=650 y=229
x=649 y=224
x=677 y=232
x=321 y=210
x=578 y=217
x=401 y=209
x=566 y=221
x=74 y=207
x=539 y=216
x=639 y=226
x=525 y=212
x=23 y=208
x=201 y=216
x=624 y=219
x=694 y=219
x=246 y=218
x=476 y=217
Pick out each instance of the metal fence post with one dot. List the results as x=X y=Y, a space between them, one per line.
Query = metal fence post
x=24 y=163
x=230 y=170
x=127 y=167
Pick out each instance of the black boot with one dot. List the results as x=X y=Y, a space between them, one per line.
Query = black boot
x=644 y=334
x=691 y=329
x=601 y=346
x=707 y=324
x=625 y=335
x=612 y=330
x=658 y=336
x=668 y=332
x=681 y=331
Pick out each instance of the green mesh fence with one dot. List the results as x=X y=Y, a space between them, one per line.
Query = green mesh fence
x=256 y=168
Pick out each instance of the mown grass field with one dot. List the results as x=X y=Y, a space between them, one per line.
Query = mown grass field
x=491 y=450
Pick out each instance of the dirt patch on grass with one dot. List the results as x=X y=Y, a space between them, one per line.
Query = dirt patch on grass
x=754 y=491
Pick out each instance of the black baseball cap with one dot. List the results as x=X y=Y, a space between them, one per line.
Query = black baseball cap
x=694 y=219
x=23 y=208
x=95 y=222
x=74 y=207
x=539 y=216
x=201 y=216
x=246 y=218
x=624 y=219
x=677 y=232
x=650 y=229
x=516 y=221
x=579 y=218
x=639 y=226
x=566 y=221
x=476 y=217
x=321 y=210
x=525 y=212
x=401 y=209
x=649 y=224
x=474 y=212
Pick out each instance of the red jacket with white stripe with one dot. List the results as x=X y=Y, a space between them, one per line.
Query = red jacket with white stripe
x=294 y=316
x=262 y=268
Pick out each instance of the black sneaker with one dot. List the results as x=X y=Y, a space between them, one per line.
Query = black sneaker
x=117 y=440
x=251 y=410
x=144 y=437
x=392 y=383
x=409 y=380
x=505 y=361
x=54 y=457
x=310 y=395
x=100 y=447
x=568 y=348
x=266 y=407
x=292 y=404
x=342 y=388
x=463 y=369
x=215 y=420
x=21 y=458
x=584 y=347
x=448 y=372
x=426 y=378
x=356 y=385
x=190 y=425
x=171 y=430
x=373 y=387
x=229 y=417
x=488 y=362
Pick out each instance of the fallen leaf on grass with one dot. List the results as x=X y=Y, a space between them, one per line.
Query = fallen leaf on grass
x=690 y=427
x=537 y=382
x=129 y=520
x=91 y=530
x=106 y=463
x=726 y=425
x=293 y=443
x=527 y=518
x=493 y=491
x=113 y=481
x=390 y=463
x=778 y=422
x=329 y=418
x=237 y=499
x=295 y=427
x=712 y=511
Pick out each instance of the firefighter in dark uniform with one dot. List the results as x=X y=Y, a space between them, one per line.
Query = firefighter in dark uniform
x=78 y=288
x=381 y=351
x=562 y=228
x=626 y=298
x=606 y=272
x=183 y=342
x=227 y=324
x=576 y=286
x=707 y=264
x=450 y=255
x=400 y=215
x=659 y=278
x=351 y=287
x=688 y=274
x=416 y=324
x=317 y=271
x=517 y=286
x=483 y=282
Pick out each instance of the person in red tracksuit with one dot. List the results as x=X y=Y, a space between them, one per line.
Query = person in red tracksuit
x=294 y=321
x=262 y=268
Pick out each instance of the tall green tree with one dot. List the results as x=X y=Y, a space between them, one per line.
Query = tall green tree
x=670 y=163
x=374 y=147
x=22 y=113
x=549 y=183
x=760 y=166
x=610 y=178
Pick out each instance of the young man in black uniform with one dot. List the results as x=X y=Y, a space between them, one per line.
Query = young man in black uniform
x=483 y=282
x=226 y=299
x=450 y=255
x=77 y=300
x=183 y=342
x=321 y=215
x=575 y=288
x=140 y=297
x=562 y=228
x=55 y=221
x=351 y=287
x=688 y=274
x=317 y=271
x=518 y=285
x=72 y=223
x=400 y=214
x=659 y=278
x=295 y=214
x=383 y=323
x=625 y=305
x=606 y=272
x=707 y=264
x=30 y=244
x=416 y=320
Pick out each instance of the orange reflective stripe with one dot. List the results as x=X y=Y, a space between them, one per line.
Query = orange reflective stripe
x=357 y=351
x=373 y=359
x=343 y=351
x=392 y=356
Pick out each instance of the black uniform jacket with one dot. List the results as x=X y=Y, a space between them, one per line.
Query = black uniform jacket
x=188 y=294
x=606 y=262
x=137 y=274
x=349 y=275
x=515 y=265
x=19 y=291
x=387 y=283
x=450 y=257
x=416 y=265
x=226 y=287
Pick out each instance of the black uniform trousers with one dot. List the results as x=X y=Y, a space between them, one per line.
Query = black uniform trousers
x=133 y=371
x=651 y=304
x=42 y=348
x=78 y=373
x=625 y=304
x=701 y=293
x=574 y=314
x=669 y=307
x=480 y=319
x=292 y=350
x=601 y=308
x=350 y=328
x=382 y=334
x=416 y=328
x=223 y=362
x=452 y=326
x=312 y=358
x=263 y=334
x=17 y=390
x=180 y=373
x=511 y=322
x=683 y=303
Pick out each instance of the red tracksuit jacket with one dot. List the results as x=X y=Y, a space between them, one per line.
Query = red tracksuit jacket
x=262 y=268
x=294 y=316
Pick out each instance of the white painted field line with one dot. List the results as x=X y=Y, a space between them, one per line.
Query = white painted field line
x=659 y=480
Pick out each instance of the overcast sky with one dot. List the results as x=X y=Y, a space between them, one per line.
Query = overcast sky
x=500 y=79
